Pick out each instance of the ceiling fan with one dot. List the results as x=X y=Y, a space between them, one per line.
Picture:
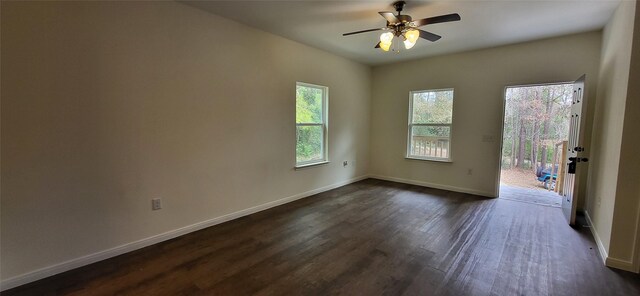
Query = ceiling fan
x=402 y=26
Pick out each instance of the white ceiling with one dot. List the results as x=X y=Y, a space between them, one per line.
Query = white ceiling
x=484 y=23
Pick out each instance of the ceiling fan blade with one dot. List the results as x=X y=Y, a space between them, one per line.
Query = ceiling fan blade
x=377 y=45
x=428 y=35
x=363 y=31
x=437 y=19
x=390 y=17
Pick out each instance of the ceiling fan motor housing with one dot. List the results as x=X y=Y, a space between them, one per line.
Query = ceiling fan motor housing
x=399 y=5
x=403 y=25
x=404 y=21
x=404 y=18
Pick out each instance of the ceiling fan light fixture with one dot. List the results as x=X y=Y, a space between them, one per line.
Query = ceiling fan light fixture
x=408 y=44
x=403 y=25
x=412 y=35
x=386 y=39
x=385 y=46
x=410 y=38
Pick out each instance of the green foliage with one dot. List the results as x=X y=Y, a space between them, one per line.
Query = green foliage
x=543 y=112
x=431 y=131
x=308 y=104
x=433 y=106
x=309 y=143
x=309 y=109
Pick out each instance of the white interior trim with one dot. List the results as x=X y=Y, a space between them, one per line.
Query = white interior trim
x=603 y=252
x=608 y=261
x=635 y=256
x=119 y=250
x=619 y=264
x=434 y=185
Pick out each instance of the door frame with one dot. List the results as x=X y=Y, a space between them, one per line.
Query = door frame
x=504 y=106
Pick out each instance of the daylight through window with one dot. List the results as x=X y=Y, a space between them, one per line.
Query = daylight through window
x=311 y=124
x=430 y=120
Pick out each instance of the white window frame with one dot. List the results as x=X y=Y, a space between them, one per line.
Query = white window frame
x=411 y=125
x=324 y=124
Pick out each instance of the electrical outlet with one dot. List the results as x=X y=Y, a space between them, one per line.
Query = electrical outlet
x=345 y=163
x=156 y=204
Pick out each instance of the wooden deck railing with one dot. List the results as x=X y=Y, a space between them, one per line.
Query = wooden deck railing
x=430 y=146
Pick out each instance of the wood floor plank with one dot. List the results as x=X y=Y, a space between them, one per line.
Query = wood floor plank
x=368 y=238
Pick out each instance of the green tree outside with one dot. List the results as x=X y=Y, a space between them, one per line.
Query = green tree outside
x=309 y=110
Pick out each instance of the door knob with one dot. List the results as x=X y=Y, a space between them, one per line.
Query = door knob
x=578 y=159
x=573 y=161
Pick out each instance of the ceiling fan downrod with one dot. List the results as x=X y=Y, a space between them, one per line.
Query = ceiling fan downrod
x=399 y=5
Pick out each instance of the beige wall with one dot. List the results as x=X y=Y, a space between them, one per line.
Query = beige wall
x=629 y=171
x=625 y=233
x=613 y=192
x=479 y=79
x=107 y=105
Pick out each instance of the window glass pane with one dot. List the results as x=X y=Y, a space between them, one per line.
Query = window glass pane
x=432 y=106
x=309 y=144
x=430 y=141
x=308 y=104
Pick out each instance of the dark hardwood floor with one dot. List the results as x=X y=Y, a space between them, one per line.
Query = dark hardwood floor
x=368 y=238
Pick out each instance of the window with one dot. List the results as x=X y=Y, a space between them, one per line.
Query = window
x=311 y=124
x=430 y=119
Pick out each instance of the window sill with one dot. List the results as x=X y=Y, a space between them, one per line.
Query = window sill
x=307 y=165
x=430 y=159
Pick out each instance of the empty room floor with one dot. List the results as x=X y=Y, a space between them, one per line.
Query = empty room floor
x=368 y=238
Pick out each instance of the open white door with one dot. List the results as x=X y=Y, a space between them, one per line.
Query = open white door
x=573 y=160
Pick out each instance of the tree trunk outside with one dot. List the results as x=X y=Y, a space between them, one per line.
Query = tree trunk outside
x=546 y=127
x=522 y=138
x=534 y=146
x=512 y=163
x=514 y=135
x=543 y=159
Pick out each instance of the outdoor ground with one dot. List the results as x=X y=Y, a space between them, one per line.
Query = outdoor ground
x=520 y=178
x=522 y=185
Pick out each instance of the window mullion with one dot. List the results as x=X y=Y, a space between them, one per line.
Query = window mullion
x=309 y=124
x=431 y=124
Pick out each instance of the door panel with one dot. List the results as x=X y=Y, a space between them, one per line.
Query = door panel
x=574 y=160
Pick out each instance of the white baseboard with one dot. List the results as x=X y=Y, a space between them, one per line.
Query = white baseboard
x=433 y=185
x=603 y=252
x=608 y=261
x=619 y=264
x=119 y=250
